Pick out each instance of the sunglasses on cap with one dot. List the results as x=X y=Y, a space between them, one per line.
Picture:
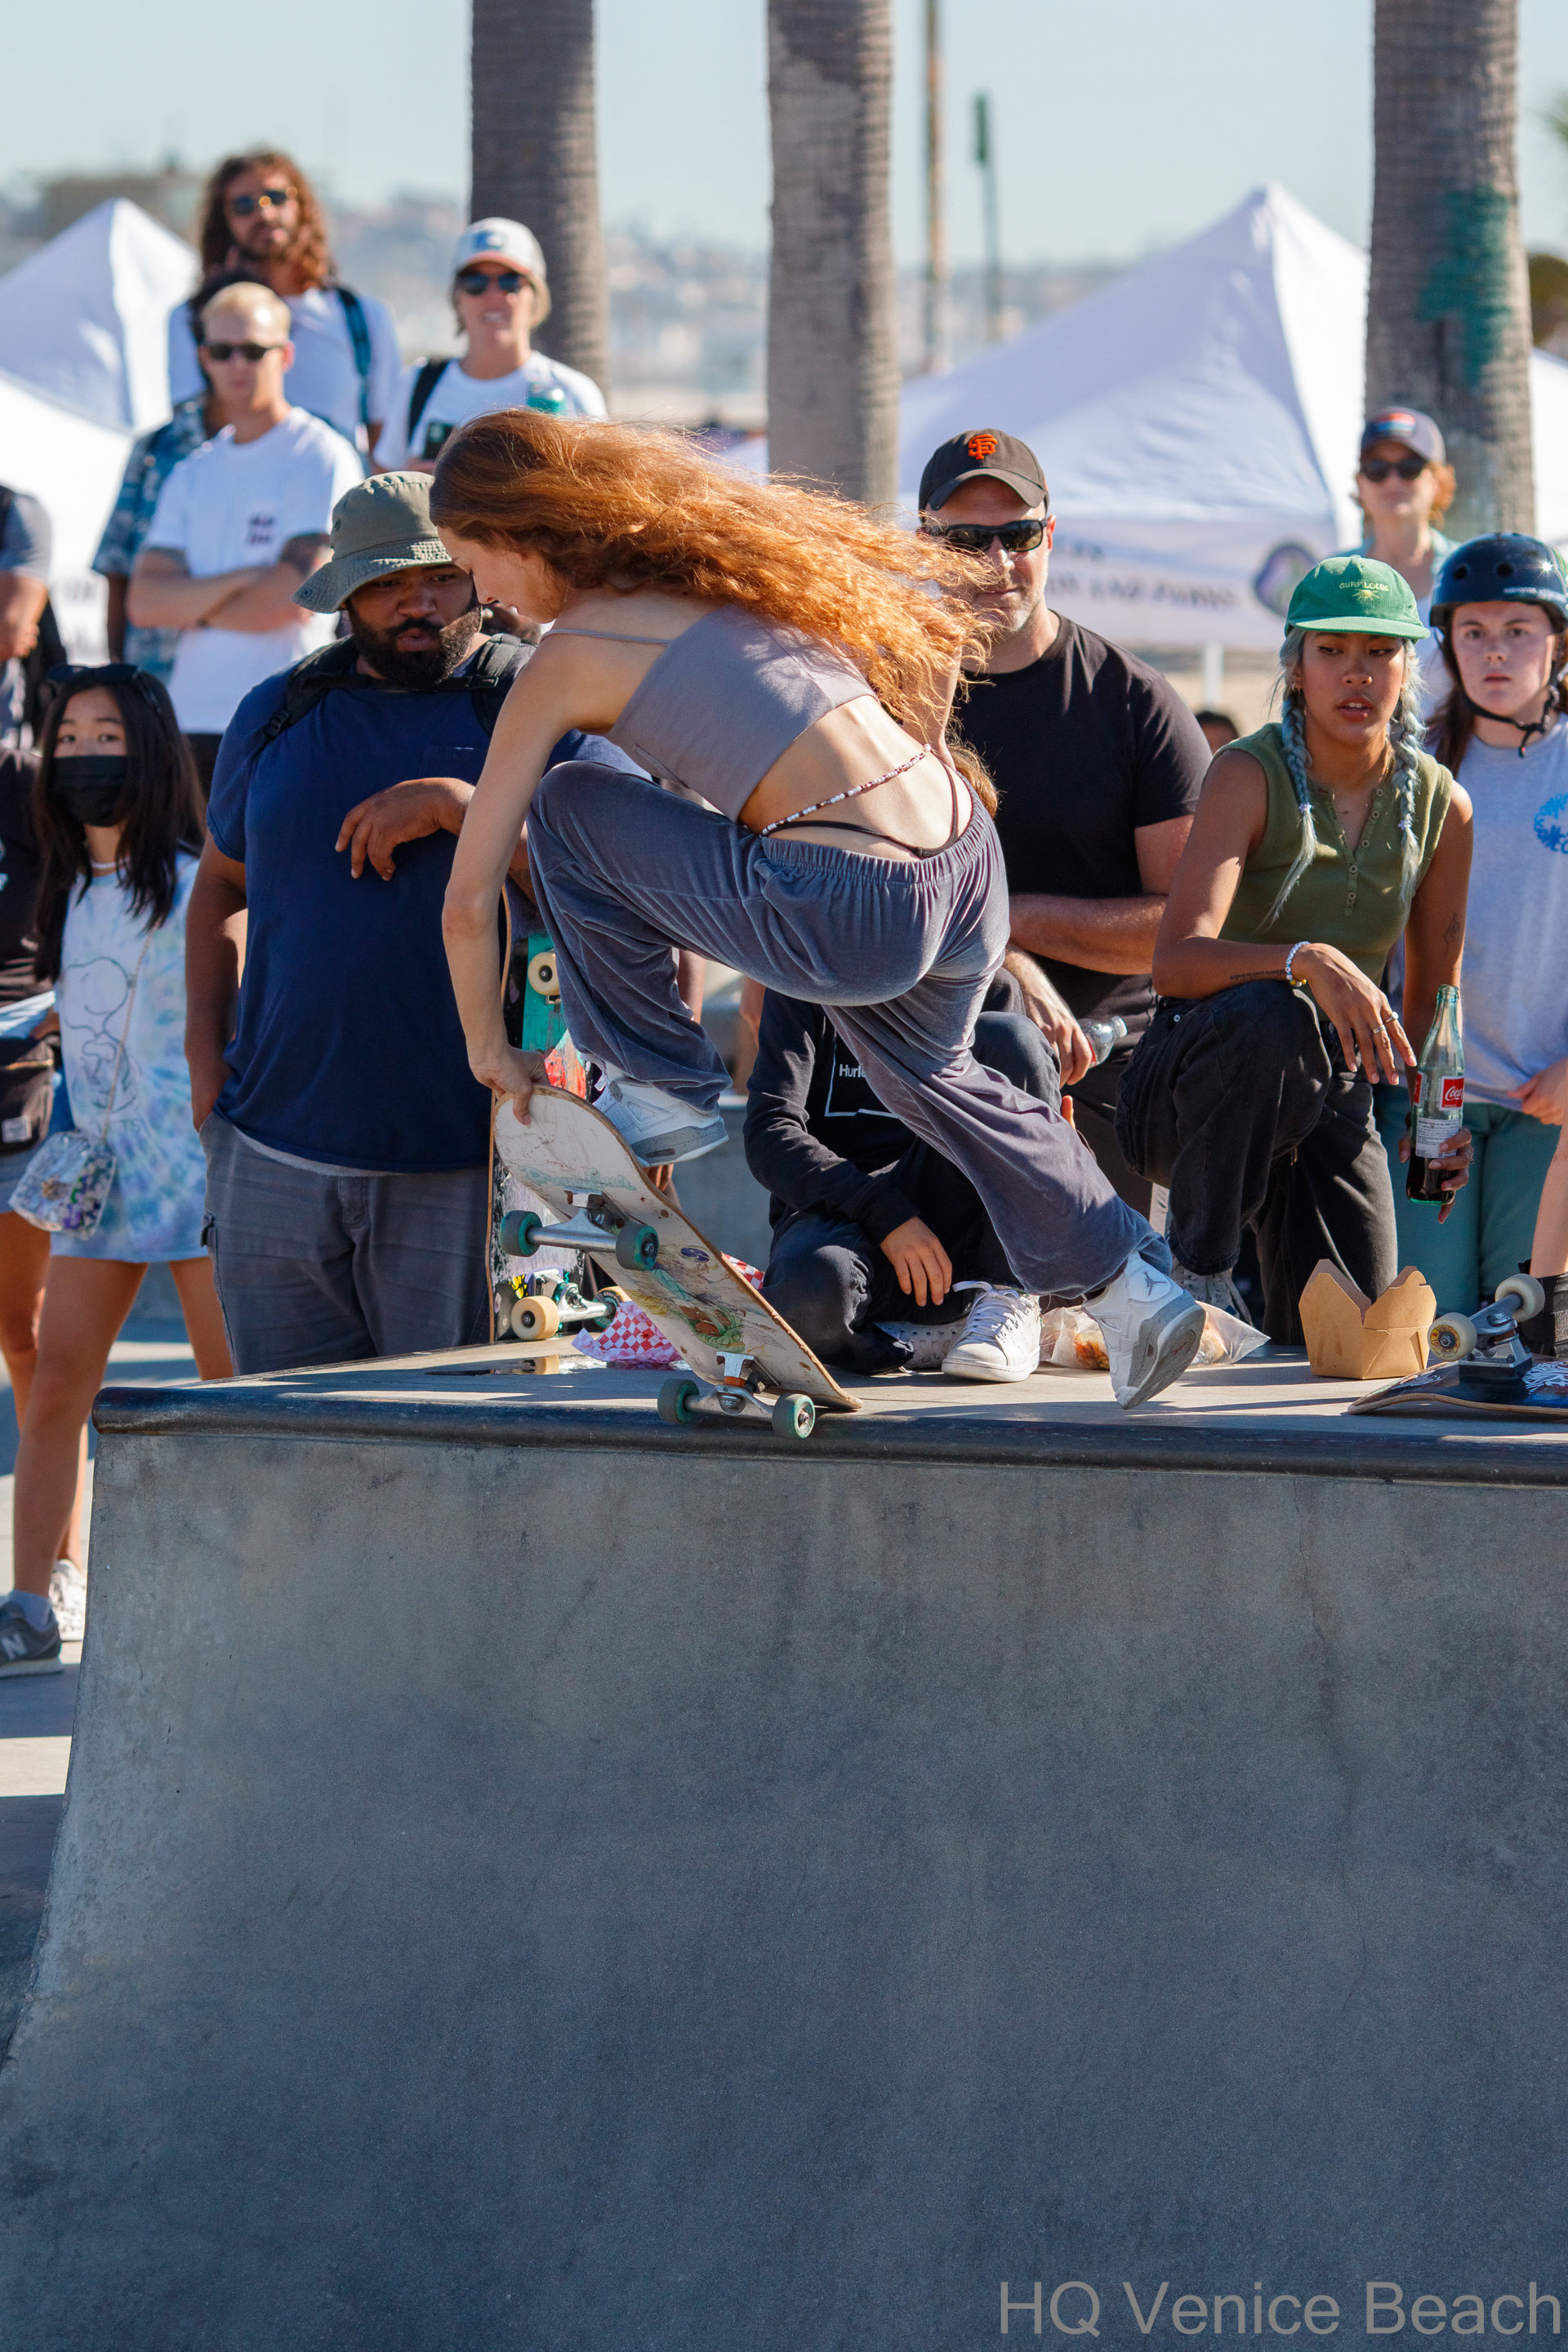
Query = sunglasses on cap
x=974 y=538
x=481 y=281
x=271 y=199
x=71 y=677
x=1378 y=469
x=251 y=352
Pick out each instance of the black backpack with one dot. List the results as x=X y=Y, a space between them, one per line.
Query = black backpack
x=47 y=654
x=487 y=682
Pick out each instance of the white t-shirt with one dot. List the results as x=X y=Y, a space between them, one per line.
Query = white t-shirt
x=456 y=398
x=325 y=376
x=1513 y=989
x=231 y=503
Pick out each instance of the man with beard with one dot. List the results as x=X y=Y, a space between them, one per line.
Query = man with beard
x=1098 y=762
x=347 y=1143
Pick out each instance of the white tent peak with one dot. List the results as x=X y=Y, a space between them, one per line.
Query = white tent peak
x=1209 y=379
x=84 y=320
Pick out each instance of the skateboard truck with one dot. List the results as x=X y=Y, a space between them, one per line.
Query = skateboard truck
x=1492 y=1358
x=734 y=1394
x=593 y=1224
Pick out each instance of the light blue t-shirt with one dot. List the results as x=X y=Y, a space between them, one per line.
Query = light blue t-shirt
x=154 y=1211
x=1513 y=985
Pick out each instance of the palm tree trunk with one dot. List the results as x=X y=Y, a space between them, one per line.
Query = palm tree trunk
x=833 y=362
x=1449 y=299
x=536 y=158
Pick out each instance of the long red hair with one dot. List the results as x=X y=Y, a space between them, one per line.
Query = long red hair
x=619 y=506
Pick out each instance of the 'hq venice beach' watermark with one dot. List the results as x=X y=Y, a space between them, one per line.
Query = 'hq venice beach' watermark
x=1074 y=2308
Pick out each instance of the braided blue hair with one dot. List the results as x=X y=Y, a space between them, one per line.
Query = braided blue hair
x=1404 y=739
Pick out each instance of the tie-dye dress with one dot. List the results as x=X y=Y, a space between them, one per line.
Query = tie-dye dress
x=154 y=1211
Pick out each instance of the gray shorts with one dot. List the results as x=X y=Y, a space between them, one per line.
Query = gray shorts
x=317 y=1268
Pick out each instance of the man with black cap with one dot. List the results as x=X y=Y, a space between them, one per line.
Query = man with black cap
x=1098 y=762
x=347 y=1144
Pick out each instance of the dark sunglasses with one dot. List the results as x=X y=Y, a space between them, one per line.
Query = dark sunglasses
x=1378 y=469
x=274 y=200
x=251 y=352
x=71 y=678
x=974 y=538
x=480 y=281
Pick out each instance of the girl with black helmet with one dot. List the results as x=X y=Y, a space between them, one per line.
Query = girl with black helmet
x=1317 y=843
x=1500 y=610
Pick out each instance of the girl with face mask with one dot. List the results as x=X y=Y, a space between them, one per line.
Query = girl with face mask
x=117 y=817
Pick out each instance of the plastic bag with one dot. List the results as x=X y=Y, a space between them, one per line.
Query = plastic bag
x=1070 y=1337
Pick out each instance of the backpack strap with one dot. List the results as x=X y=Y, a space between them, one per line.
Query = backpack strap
x=424 y=382
x=489 y=680
x=306 y=683
x=359 y=335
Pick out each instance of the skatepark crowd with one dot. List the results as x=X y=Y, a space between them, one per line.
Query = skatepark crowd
x=1077 y=1001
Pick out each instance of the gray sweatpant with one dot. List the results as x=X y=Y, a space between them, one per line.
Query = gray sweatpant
x=900 y=951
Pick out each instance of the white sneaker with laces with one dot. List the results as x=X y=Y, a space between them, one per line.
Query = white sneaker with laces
x=1152 y=1330
x=1001 y=1340
x=656 y=1125
x=68 y=1599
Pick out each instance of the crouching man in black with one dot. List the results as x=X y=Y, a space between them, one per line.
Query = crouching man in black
x=873 y=1231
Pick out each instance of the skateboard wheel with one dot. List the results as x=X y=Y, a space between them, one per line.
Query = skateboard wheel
x=675 y=1399
x=542 y=976
x=637 y=1245
x=794 y=1416
x=1523 y=1293
x=536 y=1318
x=518 y=1228
x=1451 y=1336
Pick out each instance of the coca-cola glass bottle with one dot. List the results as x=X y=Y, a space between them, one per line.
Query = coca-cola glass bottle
x=1436 y=1099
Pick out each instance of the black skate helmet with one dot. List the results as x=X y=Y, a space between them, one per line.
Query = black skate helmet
x=1502 y=567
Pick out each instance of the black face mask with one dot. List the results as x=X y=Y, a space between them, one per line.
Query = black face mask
x=90 y=787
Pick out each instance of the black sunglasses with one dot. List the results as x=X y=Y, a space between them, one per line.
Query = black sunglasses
x=71 y=678
x=974 y=538
x=480 y=281
x=274 y=199
x=251 y=352
x=1378 y=469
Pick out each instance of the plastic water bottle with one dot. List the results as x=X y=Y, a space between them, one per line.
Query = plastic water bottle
x=1104 y=1035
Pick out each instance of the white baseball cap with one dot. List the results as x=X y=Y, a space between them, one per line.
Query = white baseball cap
x=505 y=240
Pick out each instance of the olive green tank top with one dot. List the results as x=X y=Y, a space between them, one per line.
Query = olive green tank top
x=1349 y=899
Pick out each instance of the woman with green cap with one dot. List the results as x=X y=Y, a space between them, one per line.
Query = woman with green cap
x=1317 y=842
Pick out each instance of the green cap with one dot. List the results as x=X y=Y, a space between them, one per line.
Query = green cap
x=382 y=525
x=1353 y=592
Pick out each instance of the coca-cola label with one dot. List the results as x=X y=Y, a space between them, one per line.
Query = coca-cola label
x=1412 y=1078
x=1453 y=1094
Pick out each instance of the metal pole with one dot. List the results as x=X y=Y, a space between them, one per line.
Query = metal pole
x=985 y=156
x=938 y=333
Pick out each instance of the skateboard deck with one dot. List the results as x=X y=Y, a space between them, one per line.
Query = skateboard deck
x=573 y=1158
x=530 y=1009
x=1438 y=1392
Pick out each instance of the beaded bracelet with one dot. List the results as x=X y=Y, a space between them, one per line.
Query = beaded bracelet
x=1290 y=959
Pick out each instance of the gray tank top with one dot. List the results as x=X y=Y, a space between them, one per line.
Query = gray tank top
x=725 y=699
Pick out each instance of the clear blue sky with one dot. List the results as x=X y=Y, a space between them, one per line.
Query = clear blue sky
x=1119 y=127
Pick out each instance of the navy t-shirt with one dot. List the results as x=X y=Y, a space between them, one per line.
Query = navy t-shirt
x=349 y=1049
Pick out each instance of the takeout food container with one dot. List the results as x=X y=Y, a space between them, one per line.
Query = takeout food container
x=1350 y=1336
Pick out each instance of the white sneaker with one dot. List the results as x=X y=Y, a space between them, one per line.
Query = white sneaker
x=68 y=1599
x=1001 y=1340
x=657 y=1127
x=1153 y=1330
x=928 y=1343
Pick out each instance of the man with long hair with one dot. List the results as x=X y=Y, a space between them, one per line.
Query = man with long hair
x=260 y=214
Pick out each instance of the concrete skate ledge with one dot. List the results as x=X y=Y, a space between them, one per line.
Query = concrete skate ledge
x=1269 y=1416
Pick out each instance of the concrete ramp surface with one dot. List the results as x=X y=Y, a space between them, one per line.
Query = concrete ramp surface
x=533 y=1878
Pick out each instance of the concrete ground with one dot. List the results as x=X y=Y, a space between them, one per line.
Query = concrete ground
x=37 y=1711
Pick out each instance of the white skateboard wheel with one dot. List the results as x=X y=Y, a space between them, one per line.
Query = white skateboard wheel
x=1451 y=1336
x=1523 y=1291
x=536 y=1318
x=542 y=976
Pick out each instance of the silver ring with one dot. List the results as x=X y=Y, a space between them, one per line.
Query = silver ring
x=1378 y=1030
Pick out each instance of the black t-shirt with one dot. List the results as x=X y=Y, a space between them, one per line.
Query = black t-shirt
x=1085 y=746
x=815 y=1134
x=19 y=876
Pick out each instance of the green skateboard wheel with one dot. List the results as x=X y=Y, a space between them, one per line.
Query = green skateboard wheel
x=675 y=1399
x=518 y=1229
x=637 y=1245
x=794 y=1417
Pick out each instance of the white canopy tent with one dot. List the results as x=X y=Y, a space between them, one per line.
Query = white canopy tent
x=1197 y=420
x=84 y=369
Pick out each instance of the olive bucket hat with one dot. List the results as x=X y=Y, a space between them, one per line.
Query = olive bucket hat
x=1354 y=593
x=380 y=526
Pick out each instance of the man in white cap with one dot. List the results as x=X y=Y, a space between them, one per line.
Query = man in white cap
x=500 y=293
